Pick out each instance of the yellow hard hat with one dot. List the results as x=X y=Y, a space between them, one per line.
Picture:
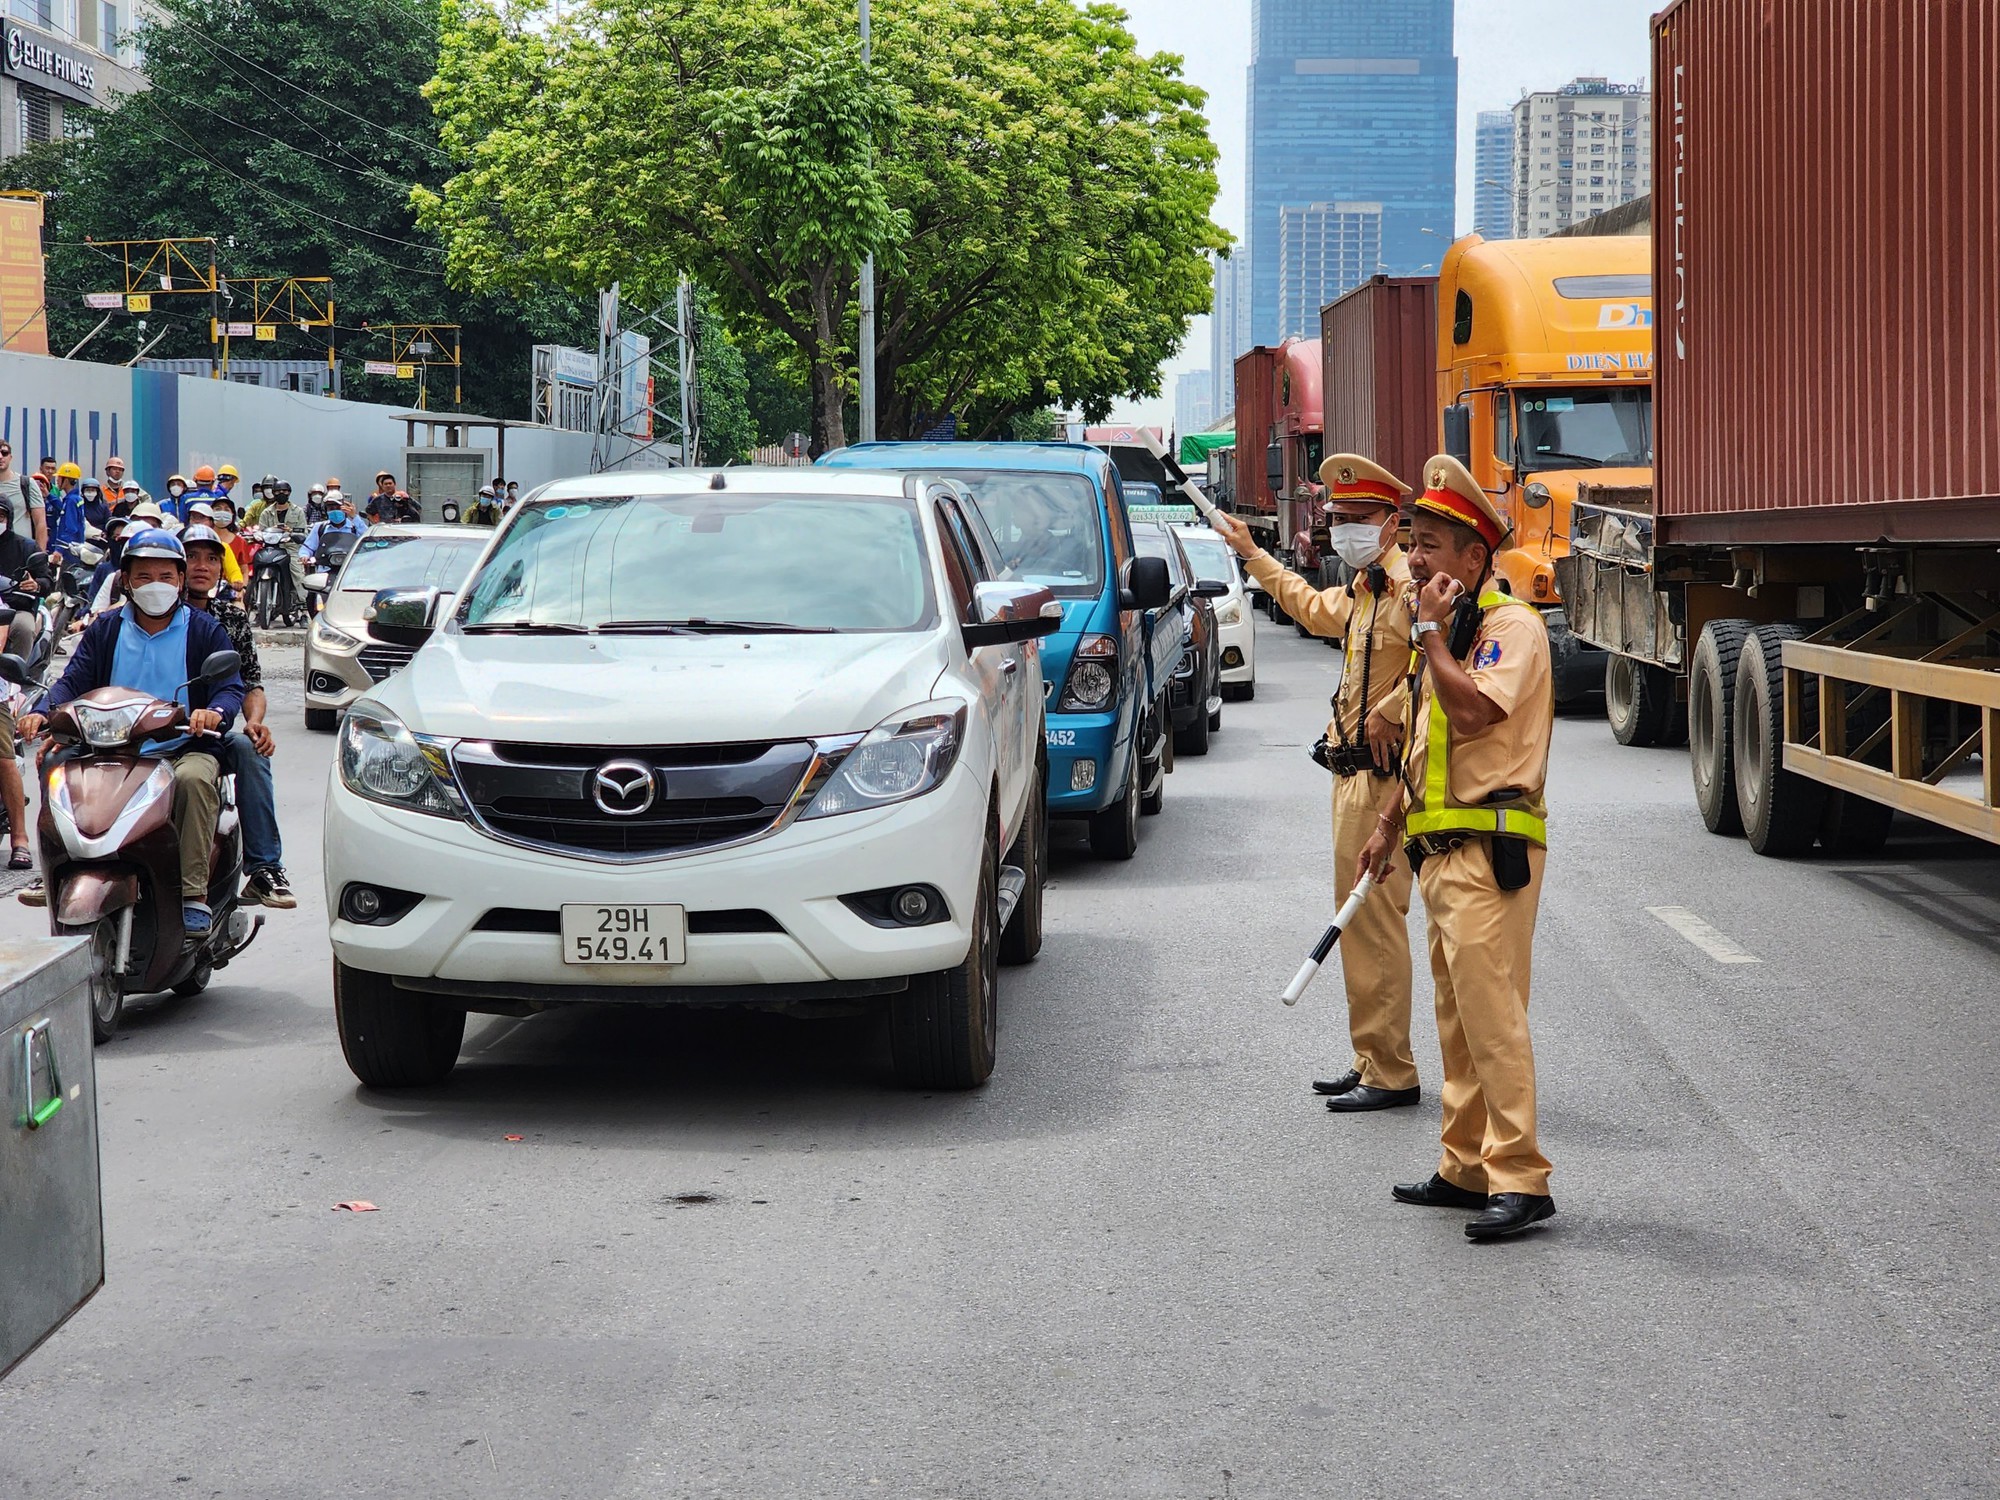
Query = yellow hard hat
x=69 y=471
x=227 y=471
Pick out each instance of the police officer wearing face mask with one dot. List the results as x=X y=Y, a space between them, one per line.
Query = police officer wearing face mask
x=1363 y=750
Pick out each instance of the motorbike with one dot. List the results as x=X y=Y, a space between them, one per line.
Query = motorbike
x=334 y=549
x=110 y=854
x=271 y=596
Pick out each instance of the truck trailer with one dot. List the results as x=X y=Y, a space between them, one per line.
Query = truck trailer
x=1279 y=446
x=1815 y=570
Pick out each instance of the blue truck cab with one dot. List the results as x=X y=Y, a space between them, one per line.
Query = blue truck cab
x=1056 y=513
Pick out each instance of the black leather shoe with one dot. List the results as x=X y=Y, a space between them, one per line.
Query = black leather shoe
x=1367 y=1096
x=1437 y=1193
x=1338 y=1085
x=1510 y=1213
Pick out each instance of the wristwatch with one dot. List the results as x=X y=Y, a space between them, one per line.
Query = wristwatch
x=1424 y=628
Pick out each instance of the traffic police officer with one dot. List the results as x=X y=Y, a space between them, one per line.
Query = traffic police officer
x=1474 y=821
x=1361 y=748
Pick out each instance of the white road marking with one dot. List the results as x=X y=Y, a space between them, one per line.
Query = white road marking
x=1716 y=945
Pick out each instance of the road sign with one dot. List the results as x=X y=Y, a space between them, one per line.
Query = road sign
x=796 y=444
x=379 y=367
x=103 y=301
x=139 y=302
x=242 y=330
x=267 y=332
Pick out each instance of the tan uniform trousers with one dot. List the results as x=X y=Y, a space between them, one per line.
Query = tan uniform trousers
x=1481 y=940
x=1375 y=950
x=197 y=804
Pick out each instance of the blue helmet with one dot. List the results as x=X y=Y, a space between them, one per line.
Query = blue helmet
x=154 y=541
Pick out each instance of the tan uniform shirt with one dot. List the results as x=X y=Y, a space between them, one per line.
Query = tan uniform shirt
x=1510 y=665
x=1383 y=662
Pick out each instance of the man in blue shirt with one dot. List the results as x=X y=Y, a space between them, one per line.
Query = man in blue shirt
x=156 y=645
x=340 y=518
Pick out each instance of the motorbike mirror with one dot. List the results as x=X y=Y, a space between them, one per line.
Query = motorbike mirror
x=219 y=665
x=14 y=670
x=36 y=560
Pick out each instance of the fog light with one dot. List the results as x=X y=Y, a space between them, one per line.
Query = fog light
x=913 y=904
x=1082 y=775
x=1232 y=656
x=363 y=903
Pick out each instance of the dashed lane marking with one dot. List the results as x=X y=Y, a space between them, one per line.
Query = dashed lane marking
x=1717 y=945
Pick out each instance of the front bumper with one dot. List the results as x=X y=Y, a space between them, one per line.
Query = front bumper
x=796 y=877
x=334 y=677
x=1084 y=747
x=1239 y=648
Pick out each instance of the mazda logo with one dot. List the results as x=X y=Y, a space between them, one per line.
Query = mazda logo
x=623 y=788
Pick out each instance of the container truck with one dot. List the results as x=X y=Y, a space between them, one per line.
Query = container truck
x=1378 y=386
x=1816 y=567
x=1279 y=447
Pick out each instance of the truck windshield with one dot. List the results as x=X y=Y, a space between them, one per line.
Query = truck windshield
x=1587 y=428
x=714 y=560
x=1046 y=526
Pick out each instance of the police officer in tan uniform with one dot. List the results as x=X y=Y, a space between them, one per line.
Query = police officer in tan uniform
x=1363 y=744
x=1473 y=819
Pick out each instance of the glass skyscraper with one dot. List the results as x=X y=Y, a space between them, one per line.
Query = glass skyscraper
x=1493 y=164
x=1353 y=150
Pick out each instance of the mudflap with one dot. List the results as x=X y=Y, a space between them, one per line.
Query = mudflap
x=89 y=895
x=1576 y=666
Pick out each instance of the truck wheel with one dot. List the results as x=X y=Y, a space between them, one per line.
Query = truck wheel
x=1854 y=826
x=1638 y=700
x=1781 y=810
x=1114 y=833
x=1711 y=723
x=323 y=720
x=1030 y=855
x=944 y=1029
x=1193 y=740
x=393 y=1039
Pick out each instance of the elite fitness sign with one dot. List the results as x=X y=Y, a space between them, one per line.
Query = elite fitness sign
x=50 y=65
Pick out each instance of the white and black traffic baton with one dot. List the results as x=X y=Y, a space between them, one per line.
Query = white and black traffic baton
x=1179 y=475
x=1341 y=919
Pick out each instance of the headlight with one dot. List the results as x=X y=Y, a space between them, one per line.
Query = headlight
x=327 y=638
x=1093 y=675
x=906 y=755
x=107 y=728
x=381 y=760
x=1230 y=613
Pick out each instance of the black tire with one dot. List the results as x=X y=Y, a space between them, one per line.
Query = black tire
x=1245 y=691
x=1023 y=938
x=1780 y=809
x=324 y=720
x=944 y=1029
x=264 y=606
x=1215 y=719
x=1632 y=700
x=107 y=990
x=1712 y=723
x=1854 y=827
x=196 y=982
x=1114 y=833
x=393 y=1039
x=1193 y=740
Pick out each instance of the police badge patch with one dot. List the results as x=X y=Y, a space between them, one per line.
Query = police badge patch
x=1488 y=655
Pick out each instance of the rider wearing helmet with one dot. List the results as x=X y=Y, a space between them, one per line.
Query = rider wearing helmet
x=65 y=509
x=176 y=506
x=247 y=753
x=226 y=480
x=24 y=568
x=485 y=511
x=157 y=645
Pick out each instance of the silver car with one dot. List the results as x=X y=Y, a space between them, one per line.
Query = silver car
x=342 y=662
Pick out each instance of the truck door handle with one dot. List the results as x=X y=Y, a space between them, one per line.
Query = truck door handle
x=1010 y=666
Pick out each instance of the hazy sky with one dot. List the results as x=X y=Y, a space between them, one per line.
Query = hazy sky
x=1505 y=47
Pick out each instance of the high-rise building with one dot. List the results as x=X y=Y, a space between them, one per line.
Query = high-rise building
x=1352 y=103
x=1579 y=150
x=1194 y=401
x=1228 y=327
x=1493 y=172
x=62 y=59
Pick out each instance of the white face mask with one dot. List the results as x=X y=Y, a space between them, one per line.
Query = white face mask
x=1358 y=543
x=155 y=599
x=175 y=490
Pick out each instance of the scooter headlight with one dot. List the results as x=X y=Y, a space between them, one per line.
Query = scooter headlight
x=107 y=728
x=380 y=759
x=906 y=755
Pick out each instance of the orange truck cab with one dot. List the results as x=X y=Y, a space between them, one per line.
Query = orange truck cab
x=1545 y=382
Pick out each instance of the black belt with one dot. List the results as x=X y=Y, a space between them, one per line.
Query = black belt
x=1424 y=845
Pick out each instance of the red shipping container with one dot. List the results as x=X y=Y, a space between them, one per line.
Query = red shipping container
x=1378 y=345
x=1827 y=271
x=1256 y=411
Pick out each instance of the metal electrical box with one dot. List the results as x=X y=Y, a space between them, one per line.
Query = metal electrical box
x=51 y=1196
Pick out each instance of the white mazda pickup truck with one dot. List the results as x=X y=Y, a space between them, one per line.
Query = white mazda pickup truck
x=753 y=737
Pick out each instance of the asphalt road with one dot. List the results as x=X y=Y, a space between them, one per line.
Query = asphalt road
x=725 y=1258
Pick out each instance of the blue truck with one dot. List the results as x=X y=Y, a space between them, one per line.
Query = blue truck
x=1057 y=514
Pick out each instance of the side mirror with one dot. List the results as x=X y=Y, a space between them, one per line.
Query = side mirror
x=1212 y=588
x=1148 y=584
x=316 y=582
x=449 y=512
x=36 y=562
x=1008 y=612
x=402 y=617
x=14 y=670
x=1458 y=432
x=1536 y=495
x=219 y=665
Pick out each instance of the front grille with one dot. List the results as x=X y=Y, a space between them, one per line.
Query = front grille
x=703 y=795
x=380 y=661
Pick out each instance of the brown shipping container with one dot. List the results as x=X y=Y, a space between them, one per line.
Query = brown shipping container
x=1827 y=270
x=1378 y=345
x=1256 y=410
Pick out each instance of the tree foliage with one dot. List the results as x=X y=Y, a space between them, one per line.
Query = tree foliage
x=1035 y=189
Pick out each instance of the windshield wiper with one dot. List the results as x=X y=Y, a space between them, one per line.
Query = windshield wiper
x=700 y=626
x=1582 y=458
x=524 y=627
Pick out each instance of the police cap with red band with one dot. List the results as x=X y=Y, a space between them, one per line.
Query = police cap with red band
x=1451 y=491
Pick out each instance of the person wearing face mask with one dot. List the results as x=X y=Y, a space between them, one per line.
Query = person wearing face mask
x=1363 y=749
x=156 y=645
x=116 y=485
x=340 y=517
x=177 y=488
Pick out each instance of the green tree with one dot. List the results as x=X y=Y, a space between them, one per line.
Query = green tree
x=1036 y=190
x=728 y=431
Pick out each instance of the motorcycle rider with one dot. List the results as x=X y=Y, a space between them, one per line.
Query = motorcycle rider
x=156 y=645
x=177 y=486
x=176 y=506
x=279 y=514
x=247 y=752
x=116 y=485
x=485 y=511
x=24 y=564
x=65 y=509
x=381 y=504
x=24 y=495
x=406 y=509
x=96 y=509
x=226 y=480
x=340 y=518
